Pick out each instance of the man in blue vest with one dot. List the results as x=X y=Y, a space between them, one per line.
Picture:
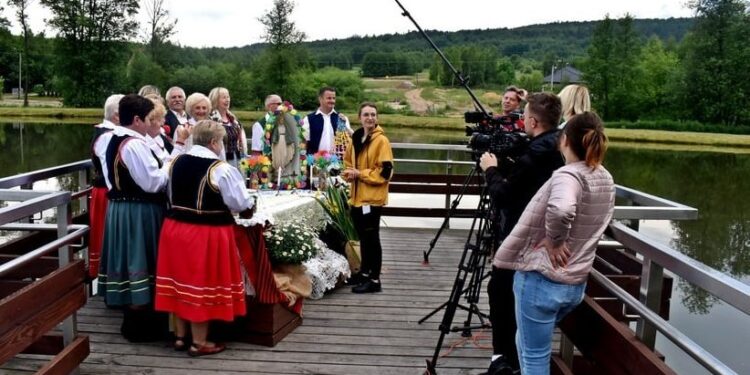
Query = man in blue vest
x=320 y=127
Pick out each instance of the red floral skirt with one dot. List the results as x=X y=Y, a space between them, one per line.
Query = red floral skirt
x=198 y=274
x=97 y=213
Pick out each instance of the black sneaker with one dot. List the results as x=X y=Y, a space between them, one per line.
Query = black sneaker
x=499 y=367
x=356 y=279
x=368 y=286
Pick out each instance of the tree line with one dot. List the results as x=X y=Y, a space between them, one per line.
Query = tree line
x=95 y=52
x=681 y=68
x=703 y=78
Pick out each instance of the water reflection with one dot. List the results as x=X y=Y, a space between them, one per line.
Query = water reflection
x=31 y=146
x=710 y=182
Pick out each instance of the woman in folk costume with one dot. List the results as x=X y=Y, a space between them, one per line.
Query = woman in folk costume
x=198 y=272
x=134 y=217
x=98 y=203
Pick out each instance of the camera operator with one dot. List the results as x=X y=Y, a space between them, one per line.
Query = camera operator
x=511 y=190
x=512 y=98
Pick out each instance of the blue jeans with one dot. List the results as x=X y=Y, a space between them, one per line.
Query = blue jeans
x=540 y=303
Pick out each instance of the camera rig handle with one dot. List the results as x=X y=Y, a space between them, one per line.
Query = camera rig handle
x=464 y=81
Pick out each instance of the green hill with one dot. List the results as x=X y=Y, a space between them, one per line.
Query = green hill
x=564 y=40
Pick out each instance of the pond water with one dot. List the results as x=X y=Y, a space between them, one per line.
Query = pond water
x=713 y=182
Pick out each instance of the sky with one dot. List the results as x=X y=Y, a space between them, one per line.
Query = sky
x=233 y=23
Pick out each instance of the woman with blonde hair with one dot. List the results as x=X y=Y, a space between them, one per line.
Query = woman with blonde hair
x=552 y=248
x=198 y=107
x=157 y=141
x=198 y=276
x=575 y=99
x=235 y=142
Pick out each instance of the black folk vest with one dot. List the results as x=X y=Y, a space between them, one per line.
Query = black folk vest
x=124 y=187
x=98 y=180
x=194 y=198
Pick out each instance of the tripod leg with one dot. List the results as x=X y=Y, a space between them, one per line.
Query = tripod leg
x=433 y=312
x=449 y=214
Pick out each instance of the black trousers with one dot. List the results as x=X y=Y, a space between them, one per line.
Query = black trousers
x=368 y=229
x=503 y=314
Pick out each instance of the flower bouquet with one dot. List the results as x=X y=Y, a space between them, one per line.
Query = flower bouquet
x=257 y=169
x=334 y=202
x=326 y=163
x=290 y=242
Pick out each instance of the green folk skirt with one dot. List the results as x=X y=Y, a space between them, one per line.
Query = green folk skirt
x=128 y=261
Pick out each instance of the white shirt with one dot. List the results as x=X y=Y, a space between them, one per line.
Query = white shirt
x=143 y=168
x=100 y=147
x=258 y=134
x=327 y=137
x=228 y=178
x=181 y=118
x=156 y=144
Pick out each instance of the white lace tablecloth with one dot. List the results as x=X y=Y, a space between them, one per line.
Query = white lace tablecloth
x=282 y=206
x=325 y=269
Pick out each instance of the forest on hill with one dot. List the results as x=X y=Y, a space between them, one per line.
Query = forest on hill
x=554 y=41
x=545 y=44
x=647 y=69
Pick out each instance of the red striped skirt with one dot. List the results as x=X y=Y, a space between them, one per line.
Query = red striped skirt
x=198 y=274
x=97 y=214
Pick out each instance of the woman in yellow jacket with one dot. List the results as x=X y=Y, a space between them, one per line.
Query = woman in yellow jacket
x=369 y=168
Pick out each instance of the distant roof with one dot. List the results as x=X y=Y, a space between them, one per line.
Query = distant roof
x=567 y=74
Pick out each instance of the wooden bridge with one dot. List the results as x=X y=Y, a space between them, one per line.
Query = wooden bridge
x=346 y=333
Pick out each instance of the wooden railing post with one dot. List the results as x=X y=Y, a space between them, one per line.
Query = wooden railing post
x=652 y=276
x=69 y=325
x=566 y=350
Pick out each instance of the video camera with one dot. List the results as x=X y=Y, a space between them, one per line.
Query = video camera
x=499 y=135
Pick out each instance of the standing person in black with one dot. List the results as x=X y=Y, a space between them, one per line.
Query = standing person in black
x=511 y=190
x=176 y=114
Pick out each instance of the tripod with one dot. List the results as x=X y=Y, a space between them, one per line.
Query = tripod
x=454 y=204
x=479 y=245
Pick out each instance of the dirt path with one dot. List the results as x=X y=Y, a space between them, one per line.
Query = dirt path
x=416 y=102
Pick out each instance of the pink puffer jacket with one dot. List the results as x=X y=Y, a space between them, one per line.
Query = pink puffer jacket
x=575 y=206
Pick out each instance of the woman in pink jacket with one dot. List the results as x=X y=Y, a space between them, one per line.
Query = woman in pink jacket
x=553 y=245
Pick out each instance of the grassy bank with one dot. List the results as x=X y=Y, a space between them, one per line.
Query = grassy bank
x=619 y=135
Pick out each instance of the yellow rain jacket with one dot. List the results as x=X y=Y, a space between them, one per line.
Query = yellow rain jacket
x=374 y=160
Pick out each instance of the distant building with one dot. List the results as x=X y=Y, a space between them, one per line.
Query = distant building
x=566 y=74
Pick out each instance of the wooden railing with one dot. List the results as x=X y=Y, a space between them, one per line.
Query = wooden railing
x=628 y=284
x=42 y=288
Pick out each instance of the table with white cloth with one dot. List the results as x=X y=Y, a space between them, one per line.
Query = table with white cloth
x=276 y=293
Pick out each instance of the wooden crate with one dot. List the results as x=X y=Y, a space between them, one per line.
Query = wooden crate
x=264 y=324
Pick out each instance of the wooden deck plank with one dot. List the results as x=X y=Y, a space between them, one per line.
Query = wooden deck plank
x=343 y=333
